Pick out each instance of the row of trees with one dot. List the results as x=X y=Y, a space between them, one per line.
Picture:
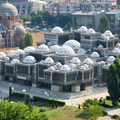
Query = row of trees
x=45 y=19
x=25 y=41
x=113 y=81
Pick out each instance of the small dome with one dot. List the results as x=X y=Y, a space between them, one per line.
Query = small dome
x=48 y=60
x=16 y=25
x=29 y=49
x=54 y=47
x=29 y=60
x=7 y=59
x=90 y=31
x=82 y=67
x=88 y=61
x=65 y=68
x=43 y=48
x=108 y=65
x=75 y=60
x=58 y=64
x=49 y=44
x=110 y=59
x=72 y=65
x=51 y=68
x=11 y=53
x=108 y=33
x=75 y=45
x=102 y=35
x=83 y=29
x=118 y=45
x=81 y=51
x=116 y=50
x=14 y=61
x=65 y=51
x=106 y=38
x=2 y=55
x=95 y=54
x=17 y=52
x=20 y=30
x=8 y=9
x=44 y=41
x=57 y=30
x=100 y=46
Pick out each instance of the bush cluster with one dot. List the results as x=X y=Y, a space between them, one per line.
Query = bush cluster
x=17 y=94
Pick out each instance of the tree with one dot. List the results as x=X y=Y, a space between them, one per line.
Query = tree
x=93 y=109
x=28 y=40
x=19 y=111
x=113 y=84
x=104 y=24
x=21 y=42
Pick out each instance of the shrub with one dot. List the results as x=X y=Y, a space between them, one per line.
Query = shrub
x=115 y=117
x=27 y=100
x=100 y=100
x=104 y=113
x=17 y=94
x=107 y=97
x=42 y=110
x=27 y=95
x=10 y=91
x=36 y=98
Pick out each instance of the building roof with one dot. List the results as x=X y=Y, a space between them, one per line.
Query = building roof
x=8 y=9
x=113 y=12
x=88 y=13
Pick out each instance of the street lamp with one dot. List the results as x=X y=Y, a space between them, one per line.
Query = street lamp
x=57 y=21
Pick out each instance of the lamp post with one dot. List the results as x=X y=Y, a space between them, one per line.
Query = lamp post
x=57 y=21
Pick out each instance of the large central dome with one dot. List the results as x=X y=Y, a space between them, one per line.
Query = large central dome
x=9 y=9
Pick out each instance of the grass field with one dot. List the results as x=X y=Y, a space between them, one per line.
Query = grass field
x=60 y=113
x=38 y=36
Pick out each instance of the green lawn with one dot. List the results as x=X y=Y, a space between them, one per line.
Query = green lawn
x=60 y=113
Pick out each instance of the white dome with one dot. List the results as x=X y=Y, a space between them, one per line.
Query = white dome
x=81 y=51
x=100 y=46
x=95 y=54
x=58 y=64
x=7 y=59
x=49 y=43
x=65 y=68
x=72 y=65
x=17 y=52
x=2 y=55
x=48 y=60
x=29 y=49
x=43 y=48
x=106 y=38
x=29 y=60
x=57 y=30
x=110 y=59
x=82 y=67
x=116 y=50
x=102 y=35
x=83 y=29
x=108 y=65
x=88 y=61
x=41 y=61
x=75 y=60
x=90 y=31
x=54 y=47
x=14 y=61
x=108 y=33
x=11 y=52
x=65 y=51
x=51 y=68
x=75 y=45
x=118 y=45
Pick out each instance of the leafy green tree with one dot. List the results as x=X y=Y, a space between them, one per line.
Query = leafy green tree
x=26 y=18
x=37 y=19
x=19 y=111
x=28 y=39
x=113 y=84
x=21 y=42
x=104 y=24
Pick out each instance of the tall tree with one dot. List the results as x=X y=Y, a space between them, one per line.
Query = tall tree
x=28 y=39
x=21 y=42
x=113 y=84
x=104 y=24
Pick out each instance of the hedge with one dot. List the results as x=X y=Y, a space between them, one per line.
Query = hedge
x=107 y=97
x=27 y=95
x=36 y=98
x=115 y=116
x=17 y=94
